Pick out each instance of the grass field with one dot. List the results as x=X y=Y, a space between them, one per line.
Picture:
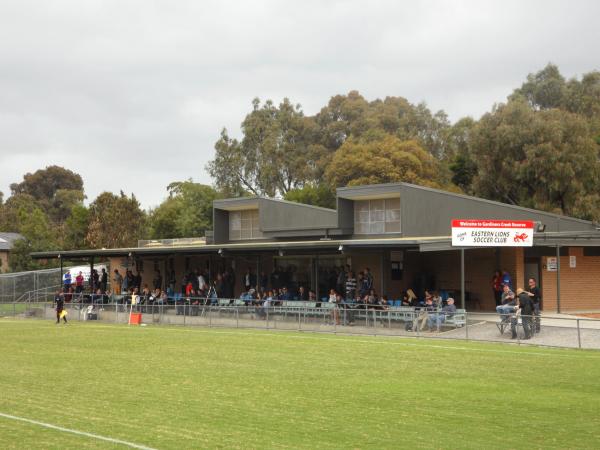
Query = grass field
x=167 y=387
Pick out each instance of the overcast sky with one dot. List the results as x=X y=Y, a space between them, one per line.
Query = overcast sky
x=132 y=95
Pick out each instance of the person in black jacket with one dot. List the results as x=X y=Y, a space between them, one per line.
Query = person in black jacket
x=59 y=301
x=526 y=307
x=536 y=298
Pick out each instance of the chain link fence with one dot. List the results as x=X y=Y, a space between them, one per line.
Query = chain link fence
x=29 y=286
x=554 y=332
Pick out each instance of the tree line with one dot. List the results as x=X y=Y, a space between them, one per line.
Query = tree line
x=539 y=149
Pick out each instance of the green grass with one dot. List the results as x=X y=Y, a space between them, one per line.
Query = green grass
x=169 y=387
x=12 y=308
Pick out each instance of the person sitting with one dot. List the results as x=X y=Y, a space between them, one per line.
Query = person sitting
x=409 y=298
x=285 y=294
x=263 y=311
x=421 y=320
x=437 y=299
x=302 y=294
x=439 y=318
x=508 y=304
x=384 y=303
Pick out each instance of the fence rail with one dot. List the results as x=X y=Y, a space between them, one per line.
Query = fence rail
x=554 y=332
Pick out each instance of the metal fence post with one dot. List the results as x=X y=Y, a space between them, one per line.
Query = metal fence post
x=209 y=316
x=267 y=318
x=578 y=334
x=466 y=325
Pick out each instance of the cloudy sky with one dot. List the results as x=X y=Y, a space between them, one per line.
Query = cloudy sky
x=132 y=95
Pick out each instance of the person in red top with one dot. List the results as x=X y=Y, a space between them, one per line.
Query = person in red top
x=497 y=287
x=79 y=283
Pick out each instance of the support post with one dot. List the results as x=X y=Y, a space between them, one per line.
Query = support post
x=91 y=280
x=382 y=272
x=558 y=279
x=61 y=283
x=316 y=272
x=462 y=278
x=257 y=274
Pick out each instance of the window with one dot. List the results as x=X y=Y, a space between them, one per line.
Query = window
x=377 y=216
x=244 y=225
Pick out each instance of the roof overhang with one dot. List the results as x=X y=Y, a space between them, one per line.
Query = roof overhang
x=241 y=247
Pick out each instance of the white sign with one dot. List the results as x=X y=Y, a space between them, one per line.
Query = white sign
x=551 y=264
x=492 y=233
x=572 y=262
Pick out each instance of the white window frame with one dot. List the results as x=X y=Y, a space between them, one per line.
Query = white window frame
x=371 y=216
x=237 y=220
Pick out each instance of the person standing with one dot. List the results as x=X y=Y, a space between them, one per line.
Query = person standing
x=67 y=280
x=497 y=287
x=350 y=285
x=506 y=280
x=536 y=298
x=103 y=281
x=59 y=302
x=525 y=304
x=79 y=283
x=118 y=280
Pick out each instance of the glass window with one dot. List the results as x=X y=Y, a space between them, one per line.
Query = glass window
x=244 y=225
x=377 y=216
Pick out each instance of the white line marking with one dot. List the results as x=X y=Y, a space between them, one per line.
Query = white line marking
x=80 y=433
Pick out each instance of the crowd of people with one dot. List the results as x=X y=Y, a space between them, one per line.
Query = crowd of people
x=348 y=290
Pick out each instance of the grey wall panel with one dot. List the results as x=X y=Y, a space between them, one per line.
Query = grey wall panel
x=220 y=226
x=278 y=216
x=429 y=213
x=345 y=210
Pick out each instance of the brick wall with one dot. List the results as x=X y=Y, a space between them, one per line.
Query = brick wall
x=579 y=286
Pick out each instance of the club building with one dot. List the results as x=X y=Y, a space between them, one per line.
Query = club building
x=401 y=232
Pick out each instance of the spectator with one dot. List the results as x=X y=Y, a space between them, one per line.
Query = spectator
x=421 y=320
x=350 y=285
x=497 y=287
x=79 y=283
x=103 y=281
x=94 y=280
x=536 y=298
x=158 y=281
x=264 y=281
x=302 y=294
x=67 y=280
x=525 y=305
x=438 y=318
x=508 y=303
x=137 y=280
x=118 y=281
x=506 y=280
